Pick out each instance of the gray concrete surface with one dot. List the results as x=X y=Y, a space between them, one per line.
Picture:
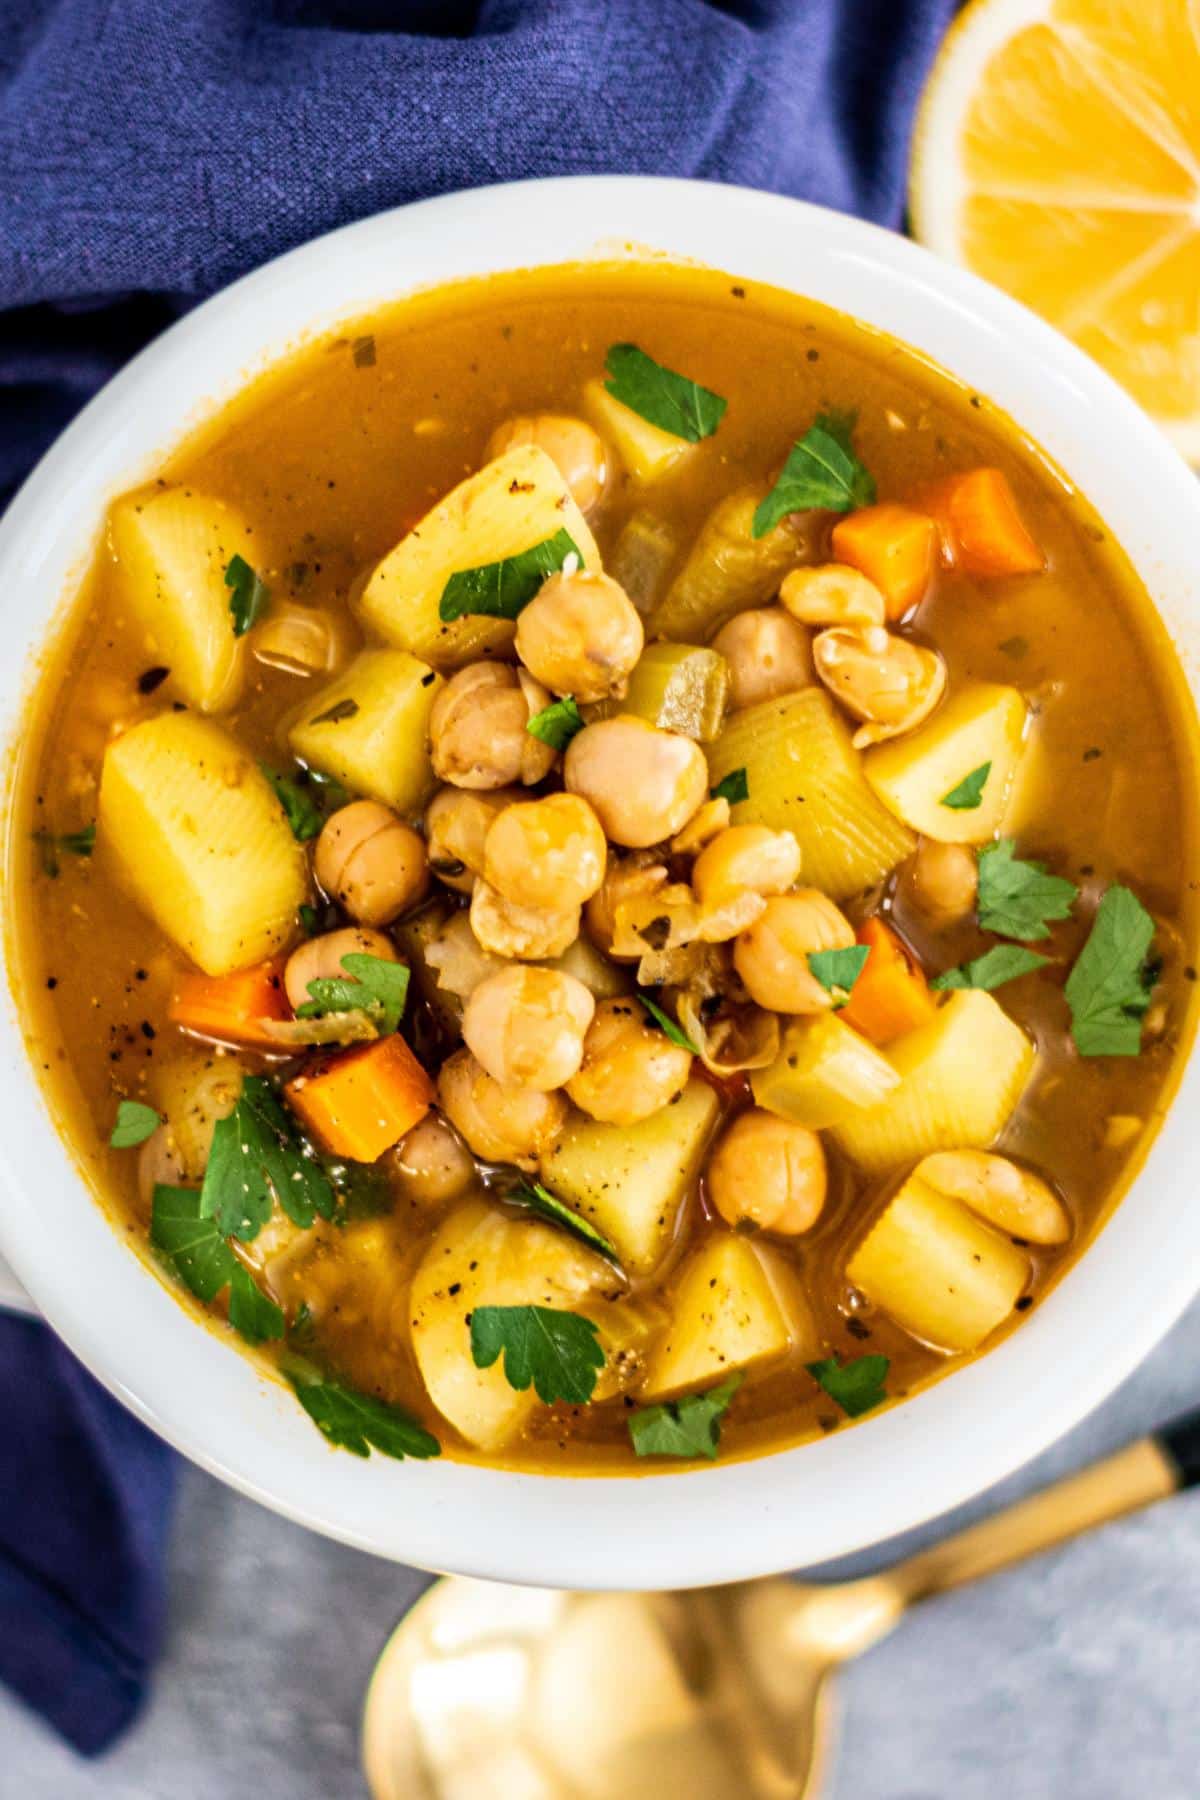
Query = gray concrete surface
x=1076 y=1677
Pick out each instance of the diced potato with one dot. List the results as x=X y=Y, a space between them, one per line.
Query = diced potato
x=172 y=547
x=680 y=687
x=937 y=1270
x=727 y=571
x=961 y=1076
x=646 y=451
x=483 y=1257
x=194 y=1088
x=413 y=936
x=514 y=502
x=732 y=1307
x=642 y=556
x=381 y=748
x=980 y=723
x=200 y=841
x=630 y=1180
x=605 y=979
x=804 y=776
x=824 y=1072
x=628 y=1330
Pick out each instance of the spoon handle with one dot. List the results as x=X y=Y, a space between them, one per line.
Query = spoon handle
x=1151 y=1469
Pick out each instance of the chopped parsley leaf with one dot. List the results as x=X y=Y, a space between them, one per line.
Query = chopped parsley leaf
x=734 y=787
x=536 y=1199
x=500 y=590
x=668 y=1026
x=359 y=1422
x=1019 y=899
x=1003 y=962
x=968 y=795
x=689 y=1427
x=1109 y=988
x=672 y=402
x=135 y=1123
x=821 y=471
x=838 y=970
x=559 y=1352
x=193 y=1244
x=249 y=595
x=856 y=1386
x=258 y=1158
x=557 y=723
x=371 y=984
x=333 y=715
x=303 y=815
x=74 y=843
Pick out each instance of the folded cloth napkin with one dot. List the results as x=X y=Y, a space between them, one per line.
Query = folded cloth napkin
x=151 y=151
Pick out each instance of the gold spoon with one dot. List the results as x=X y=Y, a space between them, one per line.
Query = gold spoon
x=533 y=1694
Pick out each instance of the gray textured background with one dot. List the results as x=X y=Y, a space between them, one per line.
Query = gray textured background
x=1077 y=1676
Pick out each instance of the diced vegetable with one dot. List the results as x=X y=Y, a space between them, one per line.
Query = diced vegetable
x=630 y=1180
x=727 y=571
x=231 y=1008
x=360 y=1102
x=893 y=546
x=891 y=995
x=824 y=1073
x=605 y=979
x=803 y=776
x=961 y=1076
x=981 y=531
x=950 y=779
x=646 y=451
x=483 y=1257
x=195 y=1089
x=680 y=687
x=200 y=841
x=732 y=1307
x=642 y=556
x=938 y=1271
x=173 y=547
x=369 y=729
x=413 y=936
x=518 y=500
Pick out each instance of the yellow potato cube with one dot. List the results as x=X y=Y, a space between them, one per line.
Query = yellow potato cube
x=369 y=729
x=981 y=725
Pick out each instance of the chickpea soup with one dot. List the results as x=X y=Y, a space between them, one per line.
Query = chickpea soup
x=600 y=872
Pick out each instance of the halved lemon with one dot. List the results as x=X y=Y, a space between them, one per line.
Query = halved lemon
x=1057 y=153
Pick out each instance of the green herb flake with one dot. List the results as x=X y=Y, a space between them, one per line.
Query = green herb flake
x=258 y=1158
x=191 y=1241
x=303 y=814
x=689 y=1427
x=821 y=471
x=734 y=787
x=1003 y=962
x=135 y=1123
x=856 y=1386
x=309 y=918
x=559 y=1352
x=73 y=843
x=557 y=723
x=1109 y=988
x=534 y=1198
x=359 y=1422
x=1016 y=647
x=500 y=590
x=968 y=795
x=1019 y=899
x=362 y=349
x=333 y=715
x=671 y=401
x=251 y=1312
x=667 y=1025
x=838 y=970
x=249 y=596
x=371 y=984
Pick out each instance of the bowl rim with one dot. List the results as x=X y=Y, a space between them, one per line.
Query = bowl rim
x=798 y=1506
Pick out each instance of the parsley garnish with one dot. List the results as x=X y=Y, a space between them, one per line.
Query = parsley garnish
x=536 y=1199
x=557 y=723
x=333 y=715
x=75 y=843
x=358 y=1422
x=362 y=349
x=821 y=471
x=257 y=1157
x=838 y=970
x=135 y=1123
x=1003 y=962
x=252 y=1312
x=559 y=1352
x=193 y=1244
x=303 y=815
x=856 y=1386
x=668 y=1026
x=371 y=984
x=500 y=590
x=734 y=787
x=687 y=1427
x=310 y=920
x=670 y=401
x=1109 y=988
x=1018 y=899
x=969 y=793
x=249 y=595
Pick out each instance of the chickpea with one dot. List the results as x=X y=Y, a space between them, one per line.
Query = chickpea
x=888 y=681
x=501 y=1124
x=834 y=594
x=581 y=634
x=768 y=654
x=628 y=879
x=322 y=957
x=477 y=728
x=630 y=1068
x=1008 y=1196
x=507 y=928
x=573 y=447
x=644 y=784
x=745 y=858
x=771 y=956
x=432 y=1164
x=942 y=881
x=456 y=824
x=371 y=862
x=526 y=1026
x=768 y=1172
x=548 y=854
x=159 y=1164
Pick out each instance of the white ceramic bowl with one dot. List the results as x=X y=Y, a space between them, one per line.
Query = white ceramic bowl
x=752 y=1518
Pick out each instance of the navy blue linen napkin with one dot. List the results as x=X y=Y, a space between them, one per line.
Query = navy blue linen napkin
x=151 y=151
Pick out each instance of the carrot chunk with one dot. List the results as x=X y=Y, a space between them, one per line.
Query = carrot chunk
x=360 y=1102
x=231 y=1008
x=981 y=531
x=893 y=546
x=891 y=995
